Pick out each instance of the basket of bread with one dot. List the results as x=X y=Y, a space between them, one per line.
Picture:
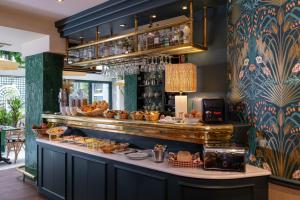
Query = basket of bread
x=40 y=130
x=152 y=116
x=138 y=115
x=122 y=114
x=184 y=159
x=109 y=114
x=94 y=110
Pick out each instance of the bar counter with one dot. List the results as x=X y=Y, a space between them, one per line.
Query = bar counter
x=251 y=171
x=67 y=171
x=192 y=133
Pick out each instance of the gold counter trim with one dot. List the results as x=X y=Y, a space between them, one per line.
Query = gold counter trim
x=199 y=134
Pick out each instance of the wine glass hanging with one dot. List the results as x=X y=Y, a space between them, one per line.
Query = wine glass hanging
x=134 y=66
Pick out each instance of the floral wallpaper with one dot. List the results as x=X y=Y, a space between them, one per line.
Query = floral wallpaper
x=264 y=74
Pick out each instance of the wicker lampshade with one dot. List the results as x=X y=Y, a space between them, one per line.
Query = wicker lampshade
x=8 y=65
x=181 y=77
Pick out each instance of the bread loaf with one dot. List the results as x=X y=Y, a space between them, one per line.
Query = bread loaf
x=184 y=156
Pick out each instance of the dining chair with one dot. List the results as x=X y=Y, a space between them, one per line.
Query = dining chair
x=14 y=142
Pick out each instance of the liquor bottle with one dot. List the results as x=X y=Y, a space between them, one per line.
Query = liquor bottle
x=140 y=42
x=171 y=35
x=166 y=38
x=157 y=39
x=176 y=36
x=150 y=40
x=181 y=34
x=186 y=34
x=145 y=42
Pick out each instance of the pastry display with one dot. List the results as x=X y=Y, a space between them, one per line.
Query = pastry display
x=96 y=144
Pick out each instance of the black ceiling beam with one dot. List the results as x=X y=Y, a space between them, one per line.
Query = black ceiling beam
x=103 y=12
x=106 y=13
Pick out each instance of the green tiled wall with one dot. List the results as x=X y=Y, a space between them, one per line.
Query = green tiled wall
x=43 y=80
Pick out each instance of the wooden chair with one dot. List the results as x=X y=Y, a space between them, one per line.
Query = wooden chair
x=14 y=142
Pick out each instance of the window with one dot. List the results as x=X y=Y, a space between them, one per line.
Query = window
x=100 y=92
x=11 y=86
x=94 y=90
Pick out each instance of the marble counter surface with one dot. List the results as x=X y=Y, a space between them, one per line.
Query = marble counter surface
x=199 y=173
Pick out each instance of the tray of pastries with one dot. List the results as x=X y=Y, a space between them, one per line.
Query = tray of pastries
x=96 y=144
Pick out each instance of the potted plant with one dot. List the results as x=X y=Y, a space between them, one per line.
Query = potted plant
x=15 y=105
x=5 y=118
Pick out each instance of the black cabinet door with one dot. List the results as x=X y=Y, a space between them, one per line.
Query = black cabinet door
x=132 y=183
x=88 y=179
x=190 y=191
x=52 y=173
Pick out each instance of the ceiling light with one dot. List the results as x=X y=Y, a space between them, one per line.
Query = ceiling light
x=153 y=16
x=184 y=7
x=59 y=1
x=122 y=25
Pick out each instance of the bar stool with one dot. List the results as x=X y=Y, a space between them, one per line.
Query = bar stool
x=14 y=142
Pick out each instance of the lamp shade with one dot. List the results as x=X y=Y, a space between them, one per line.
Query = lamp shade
x=8 y=65
x=181 y=77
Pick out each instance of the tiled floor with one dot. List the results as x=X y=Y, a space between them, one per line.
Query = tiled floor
x=20 y=161
x=13 y=188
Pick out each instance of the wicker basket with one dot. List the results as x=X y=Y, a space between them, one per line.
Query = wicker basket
x=136 y=116
x=123 y=115
x=153 y=117
x=195 y=163
x=109 y=115
x=94 y=113
x=40 y=133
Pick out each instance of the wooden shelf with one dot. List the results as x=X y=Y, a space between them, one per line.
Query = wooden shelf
x=171 y=50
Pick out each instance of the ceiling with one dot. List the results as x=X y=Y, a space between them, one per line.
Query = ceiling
x=16 y=38
x=52 y=8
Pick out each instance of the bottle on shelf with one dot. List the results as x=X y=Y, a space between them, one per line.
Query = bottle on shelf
x=166 y=40
x=186 y=34
x=181 y=34
x=150 y=40
x=176 y=36
x=140 y=42
x=157 y=39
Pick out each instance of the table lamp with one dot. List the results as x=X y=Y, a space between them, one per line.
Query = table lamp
x=181 y=78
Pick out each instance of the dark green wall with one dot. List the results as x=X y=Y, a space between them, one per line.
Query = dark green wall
x=43 y=80
x=130 y=96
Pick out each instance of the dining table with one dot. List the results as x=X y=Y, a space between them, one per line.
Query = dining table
x=3 y=131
